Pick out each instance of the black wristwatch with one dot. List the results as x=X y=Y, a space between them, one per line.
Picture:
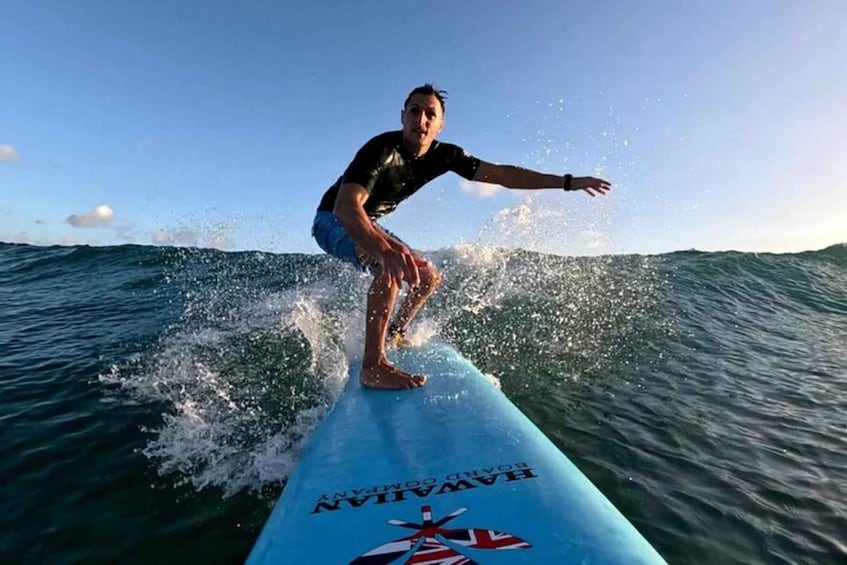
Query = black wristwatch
x=568 y=179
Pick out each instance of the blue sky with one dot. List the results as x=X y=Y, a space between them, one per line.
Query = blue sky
x=721 y=124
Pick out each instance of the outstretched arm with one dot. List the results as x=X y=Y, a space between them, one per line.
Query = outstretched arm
x=510 y=176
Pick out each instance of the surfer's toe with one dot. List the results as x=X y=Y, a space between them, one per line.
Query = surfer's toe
x=388 y=377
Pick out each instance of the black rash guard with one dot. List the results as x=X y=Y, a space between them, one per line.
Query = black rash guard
x=391 y=174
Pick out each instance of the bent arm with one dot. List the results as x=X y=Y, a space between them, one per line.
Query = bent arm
x=350 y=211
x=396 y=260
x=511 y=176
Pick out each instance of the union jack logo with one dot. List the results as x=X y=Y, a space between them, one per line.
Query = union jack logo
x=431 y=544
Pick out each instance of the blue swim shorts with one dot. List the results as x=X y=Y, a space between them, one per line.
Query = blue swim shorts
x=333 y=239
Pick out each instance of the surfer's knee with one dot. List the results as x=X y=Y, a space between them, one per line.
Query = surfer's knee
x=436 y=278
x=430 y=278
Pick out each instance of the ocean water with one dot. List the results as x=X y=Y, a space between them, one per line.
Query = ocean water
x=153 y=400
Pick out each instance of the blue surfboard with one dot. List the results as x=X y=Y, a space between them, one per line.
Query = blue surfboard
x=449 y=473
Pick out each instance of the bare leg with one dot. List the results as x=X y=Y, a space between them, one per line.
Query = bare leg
x=377 y=372
x=415 y=299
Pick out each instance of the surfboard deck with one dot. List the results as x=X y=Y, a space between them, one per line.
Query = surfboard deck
x=451 y=472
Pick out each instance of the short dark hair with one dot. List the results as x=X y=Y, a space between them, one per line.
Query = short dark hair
x=428 y=90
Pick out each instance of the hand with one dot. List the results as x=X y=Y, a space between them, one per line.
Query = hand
x=399 y=264
x=591 y=185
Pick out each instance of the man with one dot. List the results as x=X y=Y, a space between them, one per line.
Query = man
x=388 y=169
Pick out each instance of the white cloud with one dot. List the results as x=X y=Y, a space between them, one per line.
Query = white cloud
x=71 y=240
x=217 y=239
x=20 y=237
x=100 y=216
x=178 y=237
x=481 y=189
x=8 y=153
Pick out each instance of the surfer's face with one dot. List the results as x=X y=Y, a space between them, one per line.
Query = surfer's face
x=423 y=119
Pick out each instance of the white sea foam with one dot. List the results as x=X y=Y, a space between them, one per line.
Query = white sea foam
x=423 y=331
x=245 y=389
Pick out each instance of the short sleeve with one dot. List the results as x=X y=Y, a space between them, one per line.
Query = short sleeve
x=460 y=161
x=367 y=164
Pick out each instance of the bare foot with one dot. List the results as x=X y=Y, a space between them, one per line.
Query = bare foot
x=385 y=376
